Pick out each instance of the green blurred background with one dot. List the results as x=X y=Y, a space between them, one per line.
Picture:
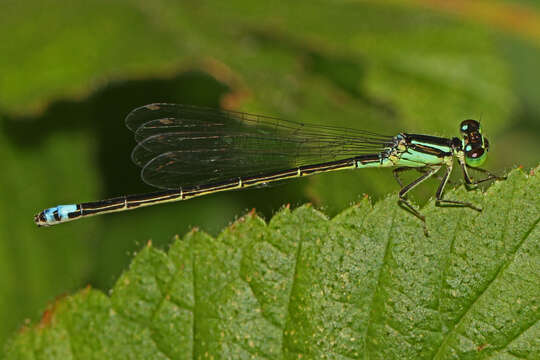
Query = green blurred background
x=70 y=72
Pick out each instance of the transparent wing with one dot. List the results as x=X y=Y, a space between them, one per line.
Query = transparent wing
x=180 y=145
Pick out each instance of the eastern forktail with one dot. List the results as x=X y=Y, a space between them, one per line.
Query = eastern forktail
x=191 y=151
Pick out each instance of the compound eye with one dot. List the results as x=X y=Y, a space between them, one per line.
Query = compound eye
x=476 y=153
x=475 y=157
x=469 y=126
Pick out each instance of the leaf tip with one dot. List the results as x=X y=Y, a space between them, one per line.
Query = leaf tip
x=251 y=214
x=482 y=347
x=25 y=327
x=46 y=317
x=48 y=314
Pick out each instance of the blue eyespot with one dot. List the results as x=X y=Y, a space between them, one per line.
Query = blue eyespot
x=469 y=126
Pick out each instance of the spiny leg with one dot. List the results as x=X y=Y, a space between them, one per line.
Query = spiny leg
x=440 y=190
x=404 y=190
x=471 y=182
x=490 y=176
x=398 y=170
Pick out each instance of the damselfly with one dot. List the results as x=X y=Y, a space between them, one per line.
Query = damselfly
x=191 y=151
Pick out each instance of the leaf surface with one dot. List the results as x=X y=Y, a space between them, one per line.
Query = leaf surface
x=365 y=284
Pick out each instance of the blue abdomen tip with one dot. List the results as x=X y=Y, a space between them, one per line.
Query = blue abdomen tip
x=59 y=213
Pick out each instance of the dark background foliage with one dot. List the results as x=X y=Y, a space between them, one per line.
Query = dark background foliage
x=69 y=73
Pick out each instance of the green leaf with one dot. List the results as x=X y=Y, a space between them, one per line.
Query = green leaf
x=367 y=283
x=70 y=72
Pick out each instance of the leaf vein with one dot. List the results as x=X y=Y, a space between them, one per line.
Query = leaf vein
x=378 y=285
x=510 y=258
x=297 y=257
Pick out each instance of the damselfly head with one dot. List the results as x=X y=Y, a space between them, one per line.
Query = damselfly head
x=475 y=145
